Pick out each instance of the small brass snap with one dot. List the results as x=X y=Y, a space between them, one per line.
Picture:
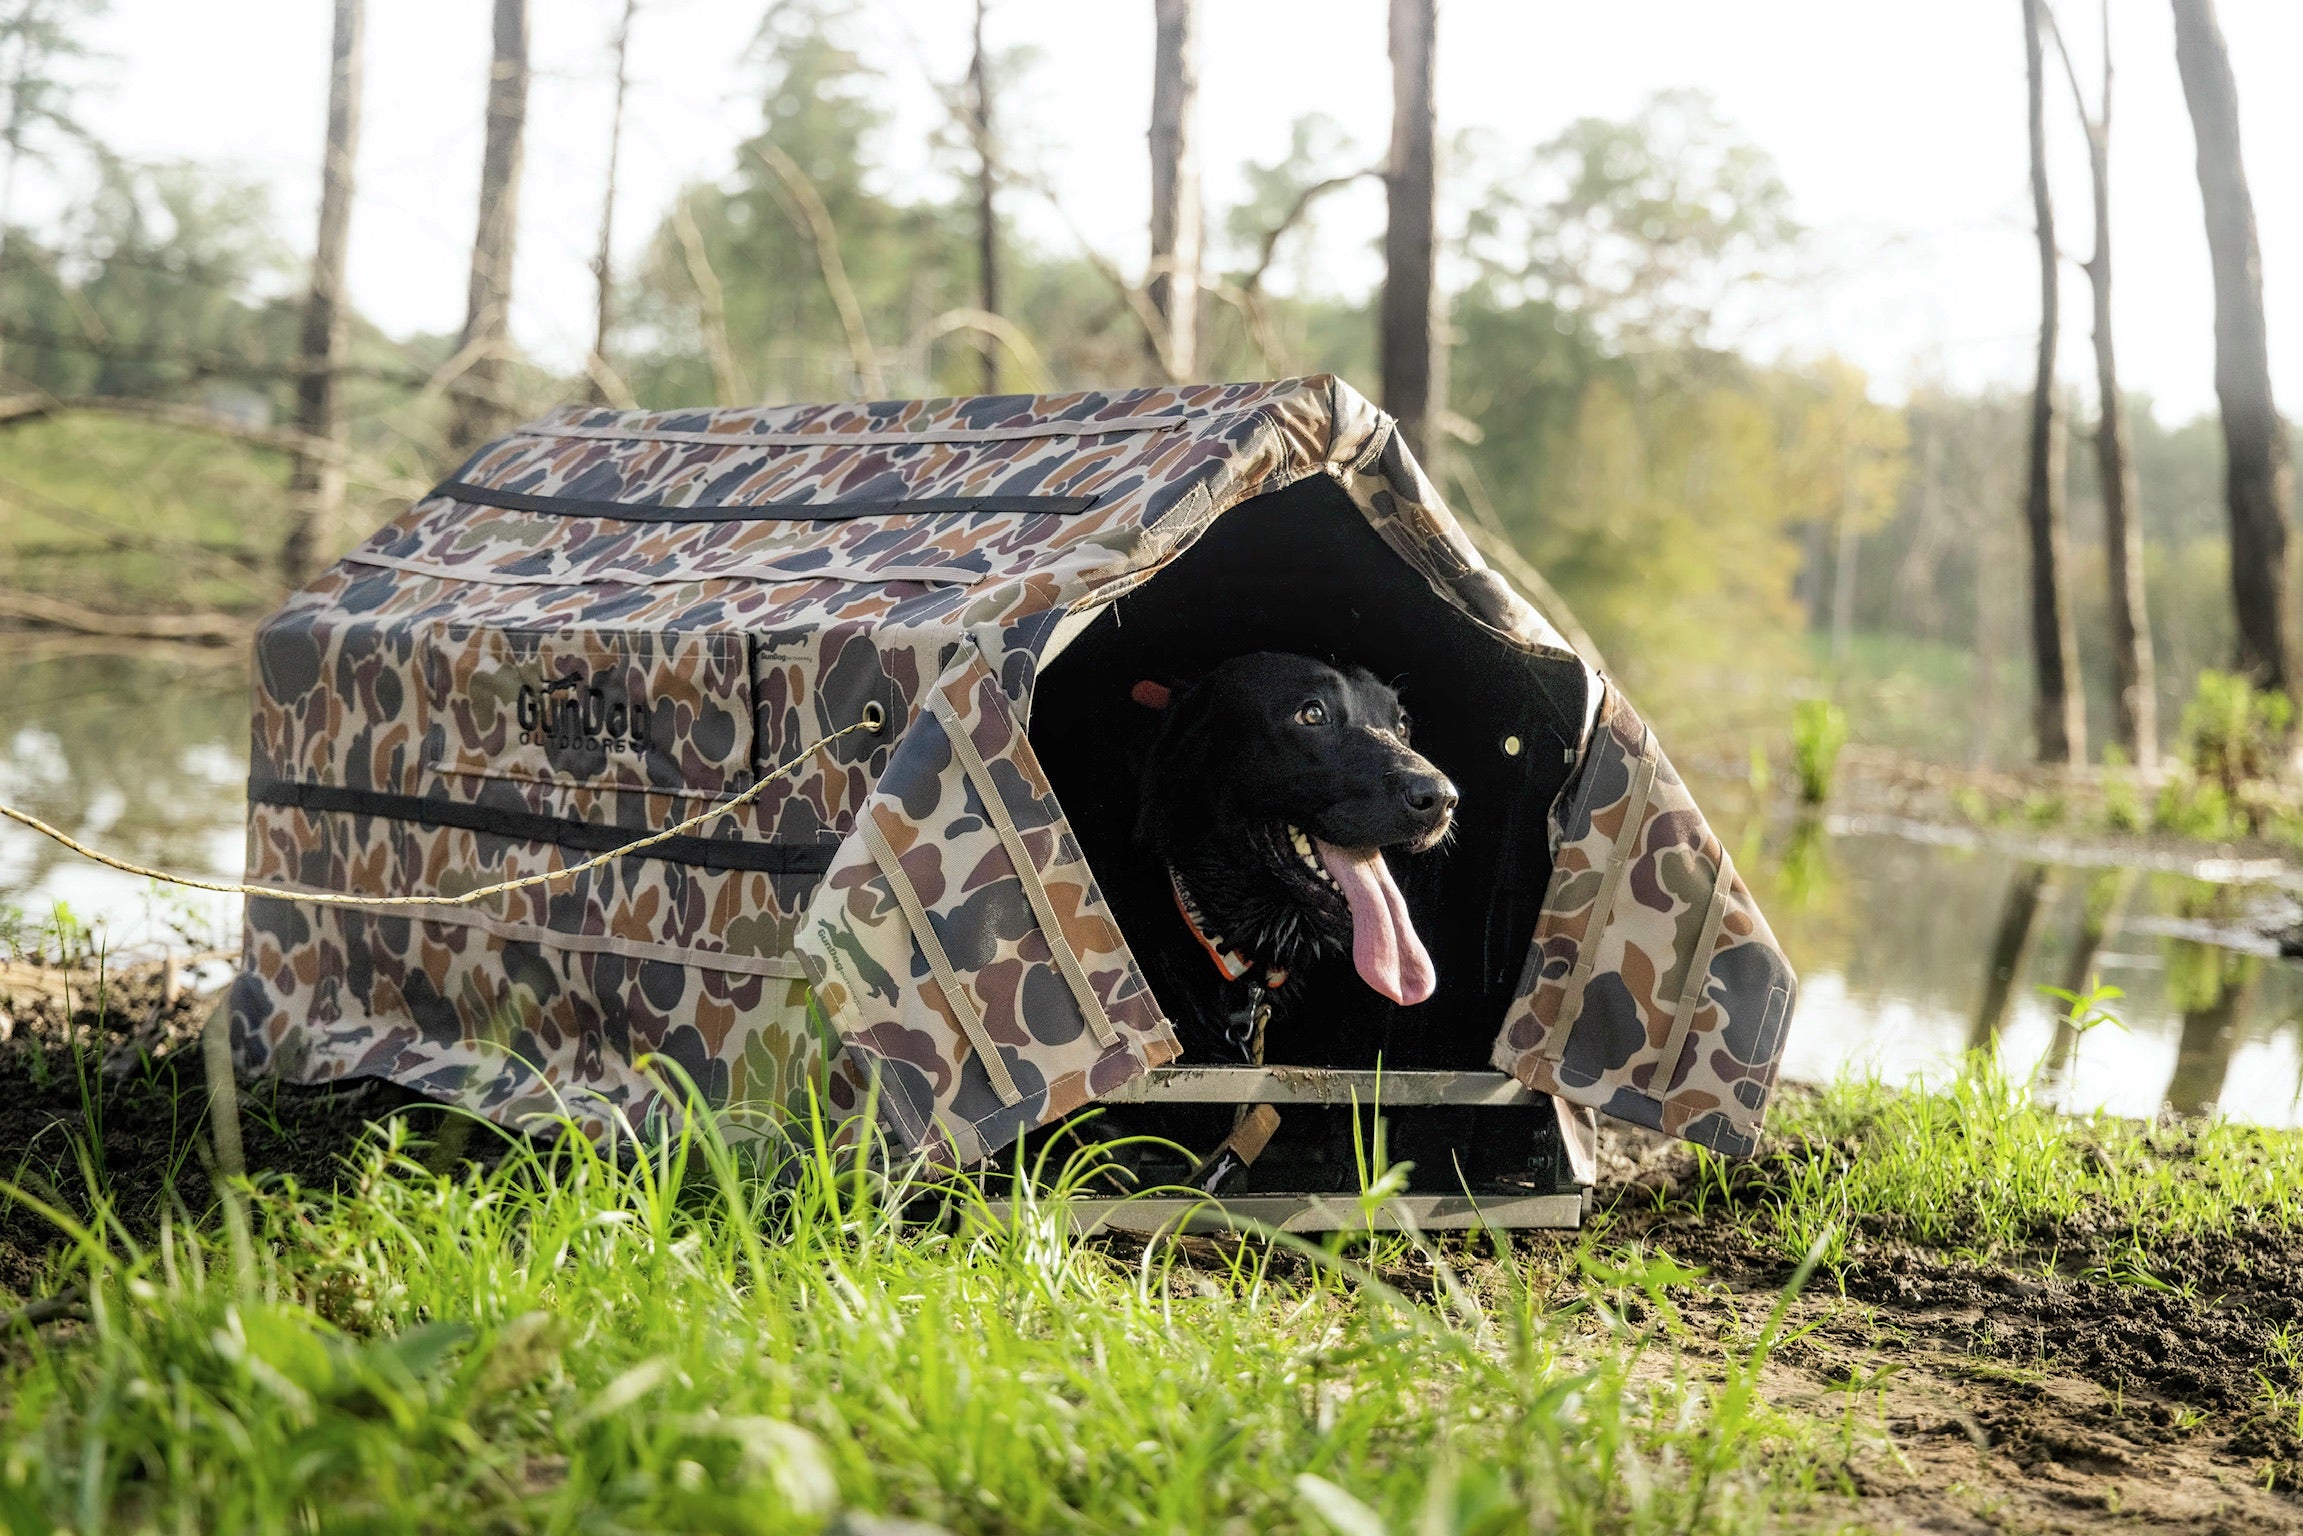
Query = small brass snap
x=1511 y=746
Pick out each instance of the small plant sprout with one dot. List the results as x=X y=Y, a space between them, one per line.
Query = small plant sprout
x=2086 y=1010
x=1818 y=731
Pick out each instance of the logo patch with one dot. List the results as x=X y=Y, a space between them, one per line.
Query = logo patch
x=577 y=714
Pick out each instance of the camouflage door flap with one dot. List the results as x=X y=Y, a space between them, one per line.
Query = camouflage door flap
x=1654 y=991
x=604 y=708
x=960 y=947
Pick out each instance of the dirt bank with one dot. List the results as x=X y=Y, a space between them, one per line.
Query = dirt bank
x=2048 y=1390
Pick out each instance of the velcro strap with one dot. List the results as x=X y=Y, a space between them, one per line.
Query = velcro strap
x=947 y=980
x=1027 y=874
x=1691 y=988
x=1643 y=772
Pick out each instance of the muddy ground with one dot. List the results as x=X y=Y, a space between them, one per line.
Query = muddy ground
x=2036 y=1393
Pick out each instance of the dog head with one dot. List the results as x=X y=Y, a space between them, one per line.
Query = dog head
x=1276 y=784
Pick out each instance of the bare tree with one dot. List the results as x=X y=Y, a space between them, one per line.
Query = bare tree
x=40 y=41
x=1176 y=218
x=2059 y=718
x=316 y=474
x=597 y=367
x=2258 y=482
x=987 y=212
x=803 y=203
x=480 y=409
x=2133 y=675
x=1407 y=343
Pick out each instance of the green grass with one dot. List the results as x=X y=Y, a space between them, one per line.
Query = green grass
x=696 y=1338
x=119 y=514
x=1978 y=1168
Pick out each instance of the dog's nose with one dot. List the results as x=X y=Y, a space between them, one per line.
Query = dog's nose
x=1429 y=794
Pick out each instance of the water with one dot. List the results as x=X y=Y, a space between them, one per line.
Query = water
x=141 y=753
x=1913 y=953
x=1897 y=941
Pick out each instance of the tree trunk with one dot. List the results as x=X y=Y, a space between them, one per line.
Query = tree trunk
x=603 y=265
x=1407 y=342
x=7 y=214
x=2258 y=482
x=2133 y=675
x=481 y=410
x=2031 y=890
x=987 y=214
x=316 y=476
x=1176 y=226
x=2057 y=717
x=1843 y=566
x=2102 y=909
x=2210 y=1036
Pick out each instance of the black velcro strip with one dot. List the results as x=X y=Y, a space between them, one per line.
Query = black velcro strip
x=763 y=511
x=527 y=827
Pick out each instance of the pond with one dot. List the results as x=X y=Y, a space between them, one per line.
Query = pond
x=1910 y=952
x=142 y=753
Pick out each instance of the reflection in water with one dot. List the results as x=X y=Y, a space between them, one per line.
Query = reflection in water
x=143 y=753
x=1804 y=871
x=1889 y=965
x=2213 y=987
x=2010 y=958
x=2103 y=903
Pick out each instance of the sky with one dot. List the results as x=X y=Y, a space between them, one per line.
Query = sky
x=1898 y=126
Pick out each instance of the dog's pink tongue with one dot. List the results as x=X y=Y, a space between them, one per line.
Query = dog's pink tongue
x=1385 y=947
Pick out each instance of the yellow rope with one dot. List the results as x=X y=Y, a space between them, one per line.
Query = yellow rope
x=331 y=898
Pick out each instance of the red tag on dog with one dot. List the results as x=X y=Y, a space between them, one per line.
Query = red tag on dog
x=1152 y=695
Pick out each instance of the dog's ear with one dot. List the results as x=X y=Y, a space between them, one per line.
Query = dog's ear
x=1152 y=695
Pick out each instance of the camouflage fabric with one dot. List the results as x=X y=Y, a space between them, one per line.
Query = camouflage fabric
x=961 y=948
x=607 y=621
x=1654 y=991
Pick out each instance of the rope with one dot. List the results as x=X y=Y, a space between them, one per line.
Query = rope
x=336 y=899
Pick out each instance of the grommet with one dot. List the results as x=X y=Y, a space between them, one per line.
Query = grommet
x=1511 y=746
x=875 y=718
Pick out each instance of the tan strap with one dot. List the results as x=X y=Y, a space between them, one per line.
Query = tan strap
x=963 y=1007
x=1618 y=861
x=1027 y=874
x=1603 y=907
x=1691 y=988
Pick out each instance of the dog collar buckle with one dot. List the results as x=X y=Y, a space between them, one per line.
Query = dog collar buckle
x=1229 y=962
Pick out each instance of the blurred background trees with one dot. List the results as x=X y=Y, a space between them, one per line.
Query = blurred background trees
x=1734 y=532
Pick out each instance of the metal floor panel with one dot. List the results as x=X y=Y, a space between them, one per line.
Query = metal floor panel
x=1324 y=1213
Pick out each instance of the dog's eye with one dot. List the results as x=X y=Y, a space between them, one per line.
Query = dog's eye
x=1311 y=712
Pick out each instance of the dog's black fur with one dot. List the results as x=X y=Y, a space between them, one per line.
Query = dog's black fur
x=1262 y=745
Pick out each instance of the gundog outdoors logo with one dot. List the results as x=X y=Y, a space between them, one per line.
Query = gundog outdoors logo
x=576 y=714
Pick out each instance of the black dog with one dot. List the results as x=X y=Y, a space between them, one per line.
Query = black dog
x=1268 y=798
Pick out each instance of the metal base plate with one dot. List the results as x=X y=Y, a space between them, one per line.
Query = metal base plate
x=1324 y=1213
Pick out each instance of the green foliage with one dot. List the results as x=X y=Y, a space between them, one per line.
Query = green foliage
x=2122 y=811
x=1818 y=732
x=2232 y=733
x=120 y=514
x=1641 y=226
x=47 y=54
x=2199 y=809
x=676 y=1337
x=2235 y=740
x=2090 y=1009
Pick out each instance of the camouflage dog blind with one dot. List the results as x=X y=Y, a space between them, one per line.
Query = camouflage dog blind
x=607 y=622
